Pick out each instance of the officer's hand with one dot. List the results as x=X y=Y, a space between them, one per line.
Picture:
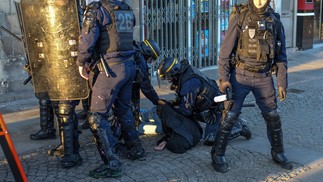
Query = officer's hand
x=84 y=72
x=224 y=85
x=282 y=93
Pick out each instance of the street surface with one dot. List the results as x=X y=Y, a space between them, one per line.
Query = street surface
x=249 y=160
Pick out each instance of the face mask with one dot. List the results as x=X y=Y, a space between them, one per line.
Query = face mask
x=259 y=3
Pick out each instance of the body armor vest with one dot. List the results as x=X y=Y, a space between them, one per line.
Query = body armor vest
x=257 y=38
x=209 y=90
x=119 y=35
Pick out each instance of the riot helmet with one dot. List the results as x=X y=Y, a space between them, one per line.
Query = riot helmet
x=259 y=6
x=150 y=48
x=169 y=69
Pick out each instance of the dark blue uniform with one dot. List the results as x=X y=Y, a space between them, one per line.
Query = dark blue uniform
x=244 y=81
x=115 y=89
x=109 y=37
x=145 y=84
x=256 y=39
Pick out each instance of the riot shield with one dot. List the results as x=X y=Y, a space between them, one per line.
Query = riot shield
x=51 y=30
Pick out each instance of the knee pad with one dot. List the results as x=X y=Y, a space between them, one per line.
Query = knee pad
x=272 y=119
x=94 y=121
x=230 y=120
x=66 y=112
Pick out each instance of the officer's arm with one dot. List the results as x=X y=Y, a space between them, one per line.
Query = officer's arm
x=281 y=58
x=188 y=94
x=227 y=47
x=146 y=87
x=89 y=34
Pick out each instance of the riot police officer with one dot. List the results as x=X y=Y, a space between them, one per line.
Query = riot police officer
x=256 y=37
x=113 y=40
x=195 y=93
x=147 y=51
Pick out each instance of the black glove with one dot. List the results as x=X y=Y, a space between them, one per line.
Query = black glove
x=210 y=116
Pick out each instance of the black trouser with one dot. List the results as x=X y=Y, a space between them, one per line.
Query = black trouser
x=183 y=132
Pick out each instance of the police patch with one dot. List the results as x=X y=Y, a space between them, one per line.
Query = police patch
x=252 y=33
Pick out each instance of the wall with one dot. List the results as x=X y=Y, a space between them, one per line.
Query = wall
x=12 y=59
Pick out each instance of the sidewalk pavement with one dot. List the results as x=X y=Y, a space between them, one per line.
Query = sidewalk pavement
x=249 y=160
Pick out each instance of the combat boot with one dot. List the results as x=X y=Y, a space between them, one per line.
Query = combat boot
x=218 y=150
x=136 y=151
x=246 y=131
x=112 y=169
x=275 y=136
x=44 y=134
x=71 y=160
x=112 y=164
x=281 y=159
x=46 y=118
x=69 y=122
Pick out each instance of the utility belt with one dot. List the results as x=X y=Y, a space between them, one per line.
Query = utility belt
x=110 y=64
x=255 y=69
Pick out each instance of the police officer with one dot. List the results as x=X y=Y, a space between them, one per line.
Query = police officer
x=257 y=38
x=147 y=51
x=182 y=132
x=195 y=93
x=108 y=29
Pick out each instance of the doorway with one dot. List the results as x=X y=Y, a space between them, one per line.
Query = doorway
x=287 y=18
